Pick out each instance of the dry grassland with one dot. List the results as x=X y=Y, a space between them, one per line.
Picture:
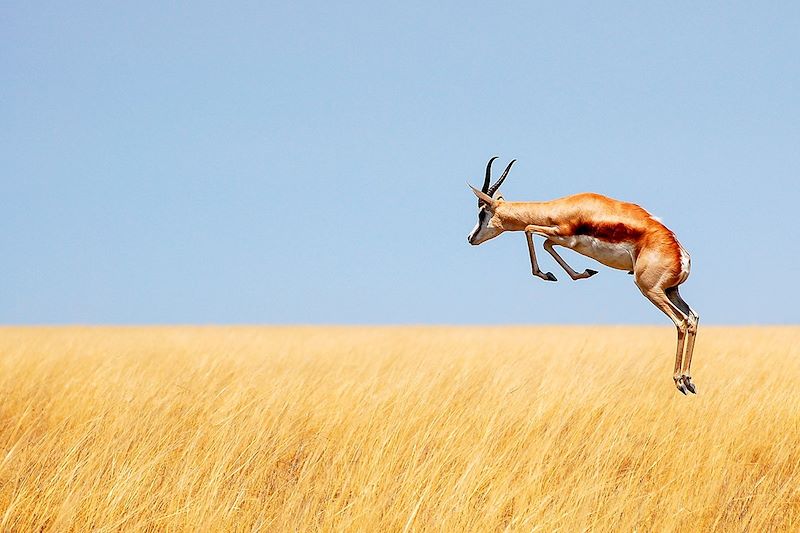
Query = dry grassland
x=397 y=429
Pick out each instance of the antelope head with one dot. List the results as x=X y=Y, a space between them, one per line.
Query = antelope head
x=489 y=198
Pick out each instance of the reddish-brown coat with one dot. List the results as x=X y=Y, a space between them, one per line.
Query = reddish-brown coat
x=603 y=218
x=659 y=262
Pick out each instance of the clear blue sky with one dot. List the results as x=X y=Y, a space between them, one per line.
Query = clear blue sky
x=306 y=163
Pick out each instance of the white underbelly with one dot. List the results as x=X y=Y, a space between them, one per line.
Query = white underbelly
x=613 y=254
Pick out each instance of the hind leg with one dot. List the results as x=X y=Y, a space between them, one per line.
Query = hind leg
x=661 y=301
x=692 y=322
x=653 y=273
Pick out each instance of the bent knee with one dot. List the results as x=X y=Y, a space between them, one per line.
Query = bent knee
x=682 y=325
x=692 y=322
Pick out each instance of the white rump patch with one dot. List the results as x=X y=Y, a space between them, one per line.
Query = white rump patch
x=686 y=262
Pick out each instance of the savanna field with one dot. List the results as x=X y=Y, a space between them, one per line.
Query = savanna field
x=397 y=429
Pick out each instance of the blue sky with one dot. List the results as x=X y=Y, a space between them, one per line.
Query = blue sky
x=306 y=162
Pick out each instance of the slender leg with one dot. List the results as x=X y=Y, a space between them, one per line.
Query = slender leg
x=657 y=276
x=544 y=231
x=692 y=322
x=534 y=264
x=548 y=245
x=660 y=300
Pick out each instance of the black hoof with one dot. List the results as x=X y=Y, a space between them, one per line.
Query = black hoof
x=630 y=272
x=682 y=389
x=689 y=386
x=590 y=272
x=550 y=277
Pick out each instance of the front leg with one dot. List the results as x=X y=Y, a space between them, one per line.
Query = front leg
x=548 y=245
x=534 y=264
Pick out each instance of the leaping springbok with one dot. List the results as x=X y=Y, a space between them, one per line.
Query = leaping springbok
x=618 y=234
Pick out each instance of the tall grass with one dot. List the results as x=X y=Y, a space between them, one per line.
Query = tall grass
x=397 y=429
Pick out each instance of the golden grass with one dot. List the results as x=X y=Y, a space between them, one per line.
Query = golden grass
x=394 y=429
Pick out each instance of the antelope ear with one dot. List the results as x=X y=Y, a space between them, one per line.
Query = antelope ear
x=483 y=196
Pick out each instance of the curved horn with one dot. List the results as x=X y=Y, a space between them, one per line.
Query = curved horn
x=499 y=182
x=488 y=175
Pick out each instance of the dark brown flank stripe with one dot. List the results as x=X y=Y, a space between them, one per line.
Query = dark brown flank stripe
x=608 y=231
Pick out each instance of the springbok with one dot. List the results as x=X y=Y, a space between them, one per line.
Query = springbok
x=617 y=234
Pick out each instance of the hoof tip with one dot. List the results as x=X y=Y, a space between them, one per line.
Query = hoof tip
x=589 y=272
x=550 y=277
